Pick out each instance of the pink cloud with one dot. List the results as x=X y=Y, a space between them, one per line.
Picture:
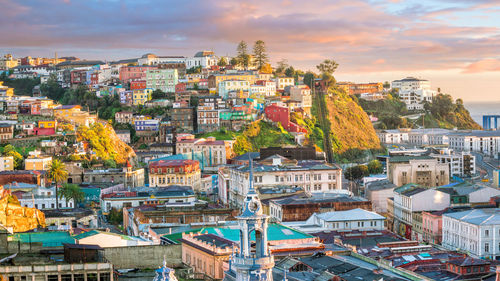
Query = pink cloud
x=484 y=65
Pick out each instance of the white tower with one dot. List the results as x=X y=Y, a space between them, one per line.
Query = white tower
x=253 y=262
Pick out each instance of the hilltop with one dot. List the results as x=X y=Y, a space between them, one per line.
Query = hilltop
x=260 y=134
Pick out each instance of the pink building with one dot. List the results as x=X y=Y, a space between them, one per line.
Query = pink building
x=133 y=73
x=432 y=223
x=281 y=114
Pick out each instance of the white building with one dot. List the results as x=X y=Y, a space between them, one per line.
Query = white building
x=487 y=142
x=152 y=59
x=423 y=170
x=40 y=197
x=428 y=136
x=264 y=88
x=378 y=192
x=355 y=219
x=302 y=94
x=283 y=82
x=227 y=86
x=205 y=59
x=476 y=232
x=461 y=164
x=393 y=136
x=312 y=175
x=414 y=92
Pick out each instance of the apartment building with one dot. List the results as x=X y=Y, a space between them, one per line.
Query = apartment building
x=487 y=142
x=414 y=92
x=36 y=161
x=215 y=152
x=229 y=86
x=461 y=164
x=162 y=79
x=283 y=82
x=302 y=94
x=175 y=172
x=6 y=163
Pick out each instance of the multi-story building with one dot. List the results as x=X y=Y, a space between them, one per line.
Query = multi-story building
x=146 y=123
x=491 y=122
x=229 y=86
x=409 y=202
x=423 y=170
x=8 y=62
x=378 y=192
x=283 y=82
x=393 y=136
x=314 y=176
x=474 y=231
x=152 y=59
x=414 y=92
x=302 y=94
x=264 y=88
x=137 y=85
x=461 y=164
x=203 y=59
x=175 y=172
x=6 y=163
x=124 y=117
x=208 y=113
x=127 y=97
x=6 y=131
x=127 y=176
x=432 y=223
x=215 y=79
x=140 y=97
x=162 y=79
x=37 y=162
x=134 y=73
x=486 y=142
x=214 y=152
x=183 y=116
x=281 y=114
x=33 y=196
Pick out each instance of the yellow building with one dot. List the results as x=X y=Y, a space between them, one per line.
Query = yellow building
x=140 y=97
x=6 y=91
x=37 y=162
x=8 y=62
x=66 y=110
x=6 y=163
x=214 y=80
x=47 y=124
x=74 y=115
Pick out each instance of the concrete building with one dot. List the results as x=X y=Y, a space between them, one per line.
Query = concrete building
x=162 y=79
x=314 y=176
x=302 y=94
x=34 y=196
x=414 y=92
x=432 y=224
x=128 y=176
x=124 y=117
x=461 y=164
x=129 y=74
x=175 y=172
x=93 y=271
x=378 y=192
x=183 y=117
x=6 y=131
x=6 y=163
x=203 y=59
x=350 y=220
x=393 y=136
x=281 y=114
x=228 y=86
x=208 y=113
x=214 y=152
x=475 y=231
x=263 y=88
x=36 y=161
x=486 y=142
x=140 y=97
x=423 y=170
x=123 y=135
x=283 y=82
x=410 y=199
x=215 y=79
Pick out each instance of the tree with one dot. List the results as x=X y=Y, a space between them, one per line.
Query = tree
x=52 y=89
x=233 y=61
x=290 y=72
x=356 y=173
x=309 y=79
x=157 y=94
x=222 y=62
x=243 y=57
x=327 y=68
x=110 y=163
x=259 y=52
x=71 y=191
x=282 y=65
x=375 y=167
x=266 y=68
x=57 y=173
x=387 y=85
x=115 y=216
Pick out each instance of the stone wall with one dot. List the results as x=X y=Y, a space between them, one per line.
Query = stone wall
x=144 y=256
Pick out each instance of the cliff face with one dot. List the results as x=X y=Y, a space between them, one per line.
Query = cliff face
x=349 y=125
x=104 y=142
x=13 y=215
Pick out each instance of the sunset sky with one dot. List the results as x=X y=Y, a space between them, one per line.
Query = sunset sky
x=454 y=43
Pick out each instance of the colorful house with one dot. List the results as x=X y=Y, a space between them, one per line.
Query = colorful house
x=45 y=128
x=142 y=96
x=281 y=114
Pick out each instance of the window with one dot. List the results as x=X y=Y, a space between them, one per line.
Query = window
x=486 y=233
x=486 y=247
x=65 y=277
x=104 y=277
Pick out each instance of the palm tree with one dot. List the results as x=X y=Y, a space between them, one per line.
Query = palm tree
x=57 y=173
x=71 y=191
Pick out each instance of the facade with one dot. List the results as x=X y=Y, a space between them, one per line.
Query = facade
x=228 y=86
x=214 y=152
x=215 y=79
x=128 y=74
x=423 y=170
x=126 y=176
x=486 y=142
x=300 y=209
x=123 y=135
x=162 y=79
x=124 y=117
x=175 y=172
x=6 y=163
x=281 y=114
x=474 y=231
x=496 y=178
x=146 y=123
x=283 y=82
x=41 y=198
x=94 y=271
x=314 y=176
x=140 y=97
x=409 y=202
x=414 y=92
x=432 y=227
x=263 y=88
x=461 y=164
x=6 y=131
x=208 y=113
x=203 y=59
x=183 y=117
x=378 y=192
x=37 y=162
x=302 y=94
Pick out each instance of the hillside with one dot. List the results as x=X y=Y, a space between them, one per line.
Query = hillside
x=444 y=113
x=351 y=131
x=104 y=142
x=260 y=134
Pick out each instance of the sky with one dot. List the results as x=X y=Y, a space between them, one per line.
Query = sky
x=453 y=43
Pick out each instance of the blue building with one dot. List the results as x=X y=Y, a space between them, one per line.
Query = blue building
x=491 y=122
